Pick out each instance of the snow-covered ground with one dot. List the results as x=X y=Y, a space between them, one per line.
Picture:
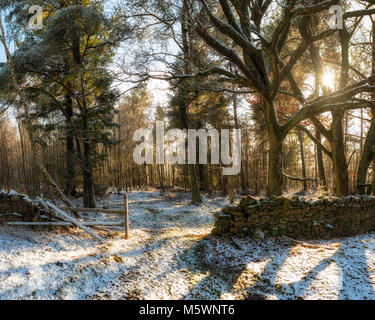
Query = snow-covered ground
x=170 y=255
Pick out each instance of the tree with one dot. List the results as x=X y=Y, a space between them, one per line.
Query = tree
x=78 y=45
x=369 y=146
x=24 y=104
x=260 y=66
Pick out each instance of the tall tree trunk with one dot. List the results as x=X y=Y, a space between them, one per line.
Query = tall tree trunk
x=275 y=177
x=303 y=162
x=89 y=200
x=338 y=146
x=237 y=126
x=275 y=155
x=86 y=163
x=161 y=177
x=195 y=193
x=20 y=131
x=319 y=156
x=369 y=146
x=335 y=136
x=70 y=174
x=339 y=159
x=201 y=171
x=186 y=44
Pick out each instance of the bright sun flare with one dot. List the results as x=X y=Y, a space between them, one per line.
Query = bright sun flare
x=328 y=79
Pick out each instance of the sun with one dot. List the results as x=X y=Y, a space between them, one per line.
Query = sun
x=328 y=79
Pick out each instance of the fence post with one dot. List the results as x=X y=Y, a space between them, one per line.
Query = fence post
x=126 y=217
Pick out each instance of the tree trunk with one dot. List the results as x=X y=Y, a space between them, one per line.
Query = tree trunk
x=319 y=155
x=275 y=155
x=26 y=178
x=188 y=61
x=202 y=179
x=338 y=146
x=367 y=157
x=303 y=162
x=161 y=177
x=275 y=177
x=88 y=179
x=70 y=174
x=237 y=126
x=339 y=159
x=195 y=193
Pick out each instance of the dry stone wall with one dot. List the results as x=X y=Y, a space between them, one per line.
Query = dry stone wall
x=297 y=217
x=18 y=206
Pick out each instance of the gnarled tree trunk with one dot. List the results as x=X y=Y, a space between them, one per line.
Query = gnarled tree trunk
x=338 y=156
x=275 y=177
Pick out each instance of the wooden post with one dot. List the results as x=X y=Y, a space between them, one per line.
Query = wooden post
x=126 y=216
x=233 y=196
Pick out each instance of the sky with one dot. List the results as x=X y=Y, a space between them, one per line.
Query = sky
x=2 y=55
x=157 y=87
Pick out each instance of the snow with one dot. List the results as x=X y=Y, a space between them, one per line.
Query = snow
x=170 y=255
x=12 y=193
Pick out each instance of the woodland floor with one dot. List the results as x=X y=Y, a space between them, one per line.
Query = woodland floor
x=171 y=256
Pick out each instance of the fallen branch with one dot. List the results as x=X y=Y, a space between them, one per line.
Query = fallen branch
x=74 y=221
x=315 y=182
x=235 y=244
x=299 y=179
x=45 y=207
x=304 y=244
x=97 y=210
x=12 y=214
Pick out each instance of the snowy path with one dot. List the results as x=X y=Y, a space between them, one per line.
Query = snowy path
x=169 y=256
